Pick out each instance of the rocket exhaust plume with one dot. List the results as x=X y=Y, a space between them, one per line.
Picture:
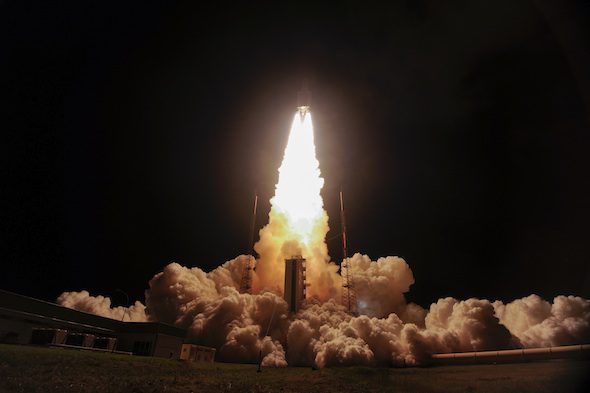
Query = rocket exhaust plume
x=298 y=223
x=297 y=195
x=388 y=331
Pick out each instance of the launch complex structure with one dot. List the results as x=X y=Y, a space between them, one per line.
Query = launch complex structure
x=295 y=274
x=295 y=283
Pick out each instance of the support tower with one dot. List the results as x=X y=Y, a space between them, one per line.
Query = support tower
x=246 y=282
x=348 y=292
x=294 y=282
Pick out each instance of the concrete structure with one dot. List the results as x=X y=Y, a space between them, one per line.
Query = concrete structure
x=294 y=282
x=44 y=336
x=199 y=353
x=106 y=343
x=151 y=339
x=21 y=317
x=80 y=339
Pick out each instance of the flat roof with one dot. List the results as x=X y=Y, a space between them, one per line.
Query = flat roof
x=46 y=321
x=36 y=309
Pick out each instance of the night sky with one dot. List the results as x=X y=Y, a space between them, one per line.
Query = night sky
x=136 y=133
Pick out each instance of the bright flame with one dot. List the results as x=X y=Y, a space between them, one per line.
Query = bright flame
x=297 y=194
x=297 y=222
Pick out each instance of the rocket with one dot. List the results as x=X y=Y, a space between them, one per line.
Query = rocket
x=303 y=100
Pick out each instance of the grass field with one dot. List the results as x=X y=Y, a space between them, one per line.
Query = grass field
x=35 y=369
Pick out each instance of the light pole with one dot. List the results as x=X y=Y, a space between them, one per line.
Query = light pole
x=259 y=370
x=126 y=302
x=124 y=310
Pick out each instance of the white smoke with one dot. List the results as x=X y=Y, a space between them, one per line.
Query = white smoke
x=538 y=323
x=380 y=285
x=100 y=305
x=388 y=332
x=210 y=307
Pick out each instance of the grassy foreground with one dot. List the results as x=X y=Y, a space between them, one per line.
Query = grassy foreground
x=35 y=369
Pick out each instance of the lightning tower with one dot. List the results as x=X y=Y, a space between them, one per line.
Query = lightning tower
x=246 y=282
x=348 y=292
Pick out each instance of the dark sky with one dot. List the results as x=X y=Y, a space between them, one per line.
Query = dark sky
x=135 y=133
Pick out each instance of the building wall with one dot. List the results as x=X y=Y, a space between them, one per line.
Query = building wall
x=205 y=356
x=15 y=331
x=17 y=326
x=15 y=302
x=137 y=343
x=150 y=344
x=46 y=336
x=193 y=352
x=168 y=346
x=19 y=315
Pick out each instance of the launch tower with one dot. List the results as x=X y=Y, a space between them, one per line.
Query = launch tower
x=294 y=282
x=246 y=282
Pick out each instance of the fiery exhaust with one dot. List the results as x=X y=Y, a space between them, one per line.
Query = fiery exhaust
x=297 y=194
x=298 y=223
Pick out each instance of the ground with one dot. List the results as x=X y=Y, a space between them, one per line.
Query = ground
x=36 y=369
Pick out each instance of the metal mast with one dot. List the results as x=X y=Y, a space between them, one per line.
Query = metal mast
x=348 y=292
x=246 y=283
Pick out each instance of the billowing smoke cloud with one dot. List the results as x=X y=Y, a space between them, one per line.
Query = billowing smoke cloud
x=100 y=305
x=538 y=323
x=380 y=285
x=388 y=332
x=216 y=314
